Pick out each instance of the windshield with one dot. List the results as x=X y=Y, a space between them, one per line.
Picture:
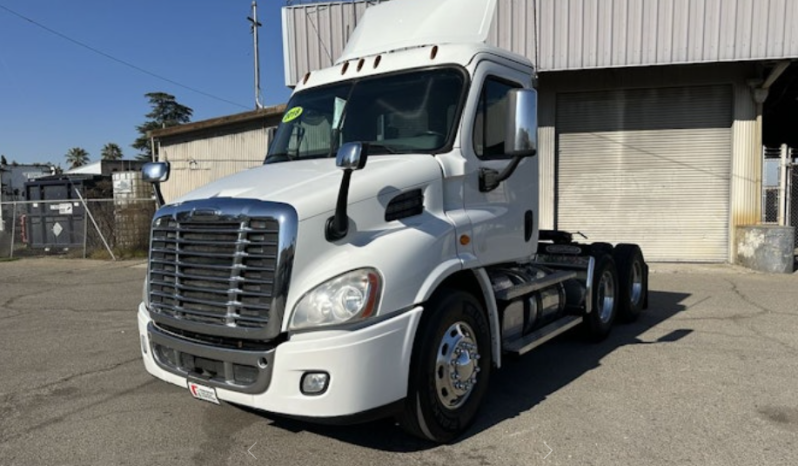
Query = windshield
x=399 y=113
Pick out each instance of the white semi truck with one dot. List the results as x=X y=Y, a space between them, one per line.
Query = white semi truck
x=387 y=256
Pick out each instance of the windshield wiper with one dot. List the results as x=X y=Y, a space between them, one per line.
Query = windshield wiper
x=377 y=145
x=335 y=133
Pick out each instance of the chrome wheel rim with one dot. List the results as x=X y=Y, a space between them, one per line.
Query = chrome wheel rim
x=636 y=290
x=456 y=365
x=606 y=296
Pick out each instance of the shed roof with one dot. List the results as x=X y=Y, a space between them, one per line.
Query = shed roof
x=272 y=112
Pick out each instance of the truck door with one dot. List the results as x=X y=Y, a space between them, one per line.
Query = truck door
x=504 y=220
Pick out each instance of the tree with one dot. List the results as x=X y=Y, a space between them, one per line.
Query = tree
x=3 y=160
x=77 y=157
x=166 y=112
x=111 y=151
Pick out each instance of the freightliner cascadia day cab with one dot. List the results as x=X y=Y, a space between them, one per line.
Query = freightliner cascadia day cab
x=386 y=258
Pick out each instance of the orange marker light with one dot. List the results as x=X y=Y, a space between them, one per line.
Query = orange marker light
x=465 y=239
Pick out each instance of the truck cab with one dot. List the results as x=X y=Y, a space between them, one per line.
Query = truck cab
x=387 y=256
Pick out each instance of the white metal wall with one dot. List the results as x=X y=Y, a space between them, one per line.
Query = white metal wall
x=315 y=35
x=197 y=162
x=582 y=34
x=648 y=166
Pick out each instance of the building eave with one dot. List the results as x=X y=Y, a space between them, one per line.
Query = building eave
x=220 y=122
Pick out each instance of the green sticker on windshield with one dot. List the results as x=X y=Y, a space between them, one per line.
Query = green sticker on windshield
x=292 y=114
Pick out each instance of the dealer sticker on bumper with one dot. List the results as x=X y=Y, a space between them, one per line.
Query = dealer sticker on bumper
x=203 y=392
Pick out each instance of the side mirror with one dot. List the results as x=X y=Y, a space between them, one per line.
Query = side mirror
x=352 y=156
x=155 y=172
x=521 y=139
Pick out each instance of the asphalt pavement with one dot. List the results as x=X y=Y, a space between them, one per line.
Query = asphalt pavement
x=708 y=376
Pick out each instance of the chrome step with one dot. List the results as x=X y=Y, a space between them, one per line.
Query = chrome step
x=529 y=287
x=533 y=340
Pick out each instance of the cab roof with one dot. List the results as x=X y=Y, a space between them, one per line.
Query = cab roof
x=403 y=24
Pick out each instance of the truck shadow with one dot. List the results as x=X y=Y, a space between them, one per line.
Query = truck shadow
x=521 y=384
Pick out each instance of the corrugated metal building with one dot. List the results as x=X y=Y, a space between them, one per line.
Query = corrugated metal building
x=650 y=110
x=204 y=151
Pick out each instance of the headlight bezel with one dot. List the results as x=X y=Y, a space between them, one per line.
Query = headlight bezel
x=306 y=314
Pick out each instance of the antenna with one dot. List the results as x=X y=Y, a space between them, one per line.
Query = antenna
x=254 y=25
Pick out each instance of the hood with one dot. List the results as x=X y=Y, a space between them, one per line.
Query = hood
x=311 y=186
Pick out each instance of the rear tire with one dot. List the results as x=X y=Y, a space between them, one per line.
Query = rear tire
x=450 y=368
x=604 y=300
x=633 y=281
x=598 y=249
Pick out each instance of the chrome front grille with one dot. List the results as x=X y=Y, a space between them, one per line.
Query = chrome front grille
x=219 y=266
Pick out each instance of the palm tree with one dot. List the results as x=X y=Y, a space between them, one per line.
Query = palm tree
x=111 y=151
x=77 y=157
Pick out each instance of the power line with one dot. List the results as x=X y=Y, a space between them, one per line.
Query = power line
x=118 y=60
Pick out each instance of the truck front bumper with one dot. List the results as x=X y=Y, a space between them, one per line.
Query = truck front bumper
x=368 y=367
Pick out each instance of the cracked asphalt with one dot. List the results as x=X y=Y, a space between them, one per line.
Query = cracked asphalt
x=708 y=376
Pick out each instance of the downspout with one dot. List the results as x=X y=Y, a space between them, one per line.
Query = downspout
x=783 y=186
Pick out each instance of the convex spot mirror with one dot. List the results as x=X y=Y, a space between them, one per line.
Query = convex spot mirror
x=155 y=172
x=521 y=139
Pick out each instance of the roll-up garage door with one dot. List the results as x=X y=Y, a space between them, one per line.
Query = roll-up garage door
x=647 y=166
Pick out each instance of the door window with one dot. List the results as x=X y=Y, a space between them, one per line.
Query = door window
x=491 y=119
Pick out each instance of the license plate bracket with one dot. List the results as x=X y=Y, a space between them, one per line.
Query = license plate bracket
x=203 y=392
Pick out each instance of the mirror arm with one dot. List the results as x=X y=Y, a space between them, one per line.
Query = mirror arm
x=338 y=225
x=156 y=188
x=490 y=179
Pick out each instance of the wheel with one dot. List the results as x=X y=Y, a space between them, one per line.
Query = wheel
x=450 y=368
x=597 y=249
x=632 y=281
x=598 y=322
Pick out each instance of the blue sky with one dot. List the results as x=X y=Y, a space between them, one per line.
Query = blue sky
x=55 y=95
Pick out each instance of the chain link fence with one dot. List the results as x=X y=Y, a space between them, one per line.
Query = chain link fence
x=770 y=205
x=780 y=179
x=88 y=228
x=771 y=192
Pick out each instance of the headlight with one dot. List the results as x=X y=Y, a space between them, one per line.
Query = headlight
x=352 y=296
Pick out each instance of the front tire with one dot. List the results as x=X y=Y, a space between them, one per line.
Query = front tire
x=450 y=368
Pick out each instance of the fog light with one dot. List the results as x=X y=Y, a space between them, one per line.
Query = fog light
x=143 y=344
x=314 y=383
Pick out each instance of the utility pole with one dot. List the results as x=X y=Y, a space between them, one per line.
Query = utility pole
x=254 y=25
